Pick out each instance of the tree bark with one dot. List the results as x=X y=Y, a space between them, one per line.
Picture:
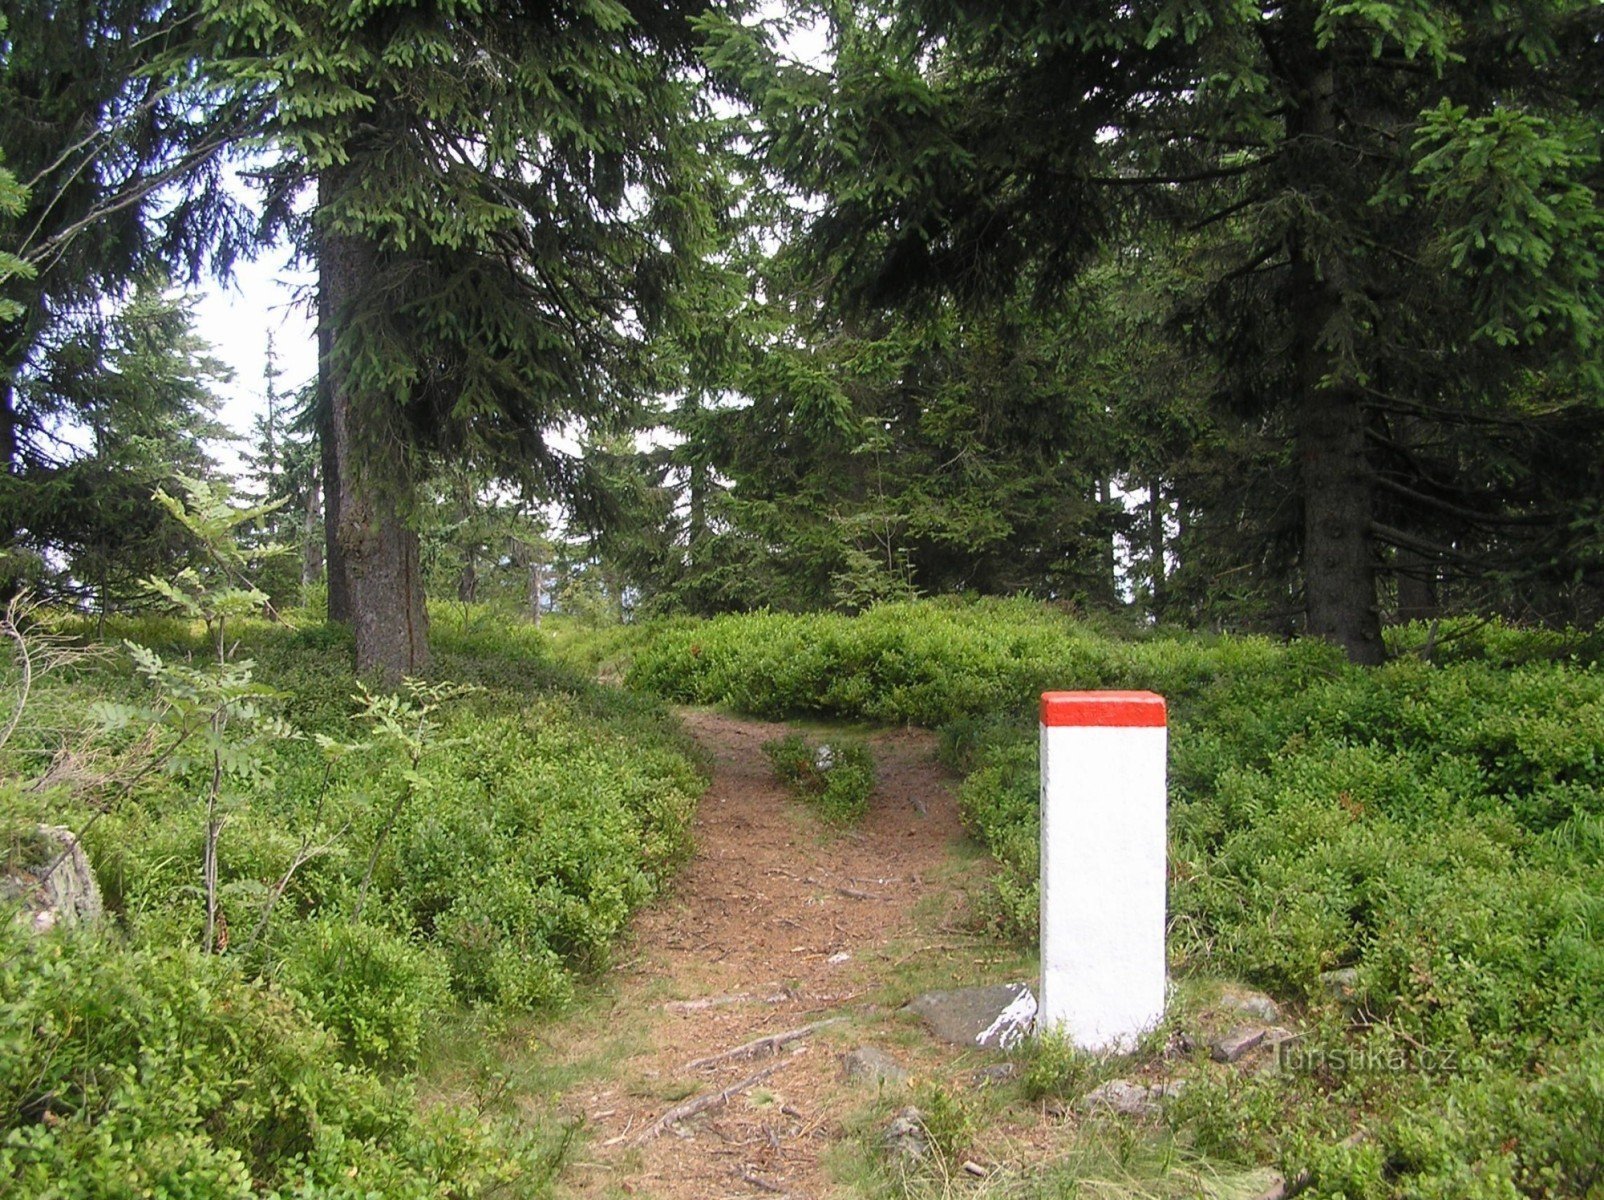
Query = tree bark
x=339 y=586
x=696 y=531
x=1106 y=589
x=1156 y=509
x=1338 y=560
x=696 y=528
x=8 y=452
x=10 y=447
x=371 y=482
x=312 y=534
x=13 y=351
x=8 y=422
x=1339 y=571
x=468 y=577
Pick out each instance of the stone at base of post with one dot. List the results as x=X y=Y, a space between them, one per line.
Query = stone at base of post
x=1103 y=800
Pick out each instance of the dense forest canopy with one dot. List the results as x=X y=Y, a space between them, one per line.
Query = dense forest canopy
x=1279 y=317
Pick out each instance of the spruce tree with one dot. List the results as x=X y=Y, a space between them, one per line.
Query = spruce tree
x=125 y=405
x=508 y=203
x=117 y=140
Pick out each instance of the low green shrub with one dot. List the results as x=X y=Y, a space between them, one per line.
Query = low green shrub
x=373 y=989
x=1056 y=1069
x=836 y=777
x=931 y=663
x=1000 y=801
x=949 y=1122
x=512 y=828
x=1492 y=640
x=161 y=1072
x=373 y=874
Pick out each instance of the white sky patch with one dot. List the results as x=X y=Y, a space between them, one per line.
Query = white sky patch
x=267 y=296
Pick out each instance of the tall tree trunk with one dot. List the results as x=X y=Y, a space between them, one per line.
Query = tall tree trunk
x=312 y=534
x=1106 y=590
x=10 y=445
x=696 y=532
x=8 y=421
x=537 y=579
x=468 y=577
x=339 y=585
x=1339 y=571
x=1338 y=561
x=382 y=570
x=696 y=529
x=1156 y=509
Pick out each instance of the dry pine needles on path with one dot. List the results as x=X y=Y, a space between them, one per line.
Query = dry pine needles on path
x=770 y=942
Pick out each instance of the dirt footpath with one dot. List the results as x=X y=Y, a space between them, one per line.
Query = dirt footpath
x=778 y=922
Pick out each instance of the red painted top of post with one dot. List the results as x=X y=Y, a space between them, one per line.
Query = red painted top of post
x=1123 y=709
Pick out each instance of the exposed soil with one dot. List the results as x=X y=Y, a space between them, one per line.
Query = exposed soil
x=777 y=922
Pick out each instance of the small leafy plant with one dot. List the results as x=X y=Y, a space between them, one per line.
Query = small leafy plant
x=218 y=715
x=836 y=777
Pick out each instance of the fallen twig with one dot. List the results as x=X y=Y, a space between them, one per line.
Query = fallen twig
x=628 y=1125
x=856 y=894
x=948 y=947
x=685 y=1006
x=762 y=1045
x=842 y=889
x=760 y=1183
x=706 y=1101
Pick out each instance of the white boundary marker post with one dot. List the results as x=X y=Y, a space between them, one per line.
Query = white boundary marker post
x=1103 y=800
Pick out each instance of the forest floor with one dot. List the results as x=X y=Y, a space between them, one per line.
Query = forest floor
x=777 y=922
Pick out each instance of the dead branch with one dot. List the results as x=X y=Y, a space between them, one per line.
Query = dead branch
x=25 y=662
x=843 y=889
x=628 y=1125
x=762 y=1185
x=707 y=1101
x=38 y=653
x=687 y=1006
x=762 y=1045
x=856 y=894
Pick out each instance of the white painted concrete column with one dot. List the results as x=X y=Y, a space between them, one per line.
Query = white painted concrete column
x=1103 y=800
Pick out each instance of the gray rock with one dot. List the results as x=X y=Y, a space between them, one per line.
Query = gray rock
x=1130 y=1099
x=995 y=1018
x=873 y=1066
x=993 y=1075
x=905 y=1137
x=1340 y=983
x=1238 y=1042
x=1250 y=1003
x=59 y=888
